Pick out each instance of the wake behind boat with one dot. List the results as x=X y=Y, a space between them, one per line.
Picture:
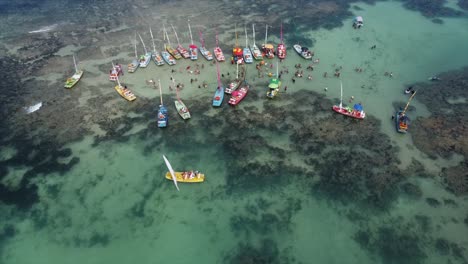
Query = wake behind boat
x=355 y=112
x=76 y=77
x=303 y=52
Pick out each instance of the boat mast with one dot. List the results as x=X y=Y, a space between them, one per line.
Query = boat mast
x=266 y=34
x=177 y=37
x=217 y=40
x=407 y=104
x=190 y=31
x=177 y=89
x=253 y=33
x=341 y=96
x=160 y=93
x=136 y=53
x=281 y=34
x=201 y=38
x=144 y=47
x=167 y=36
x=237 y=43
x=246 y=38
x=237 y=71
x=74 y=63
x=152 y=40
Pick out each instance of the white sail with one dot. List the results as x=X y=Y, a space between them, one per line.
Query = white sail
x=32 y=108
x=253 y=33
x=74 y=62
x=171 y=171
x=190 y=31
x=152 y=40
x=341 y=96
x=175 y=33
x=144 y=47
x=160 y=92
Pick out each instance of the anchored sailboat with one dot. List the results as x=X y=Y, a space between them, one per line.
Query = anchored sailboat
x=237 y=53
x=179 y=105
x=75 y=77
x=156 y=56
x=170 y=49
x=133 y=66
x=274 y=85
x=256 y=53
x=167 y=57
x=281 y=49
x=355 y=112
x=219 y=93
x=203 y=50
x=246 y=52
x=146 y=58
x=268 y=49
x=193 y=49
x=235 y=83
x=402 y=120
x=163 y=116
x=217 y=50
x=123 y=90
x=183 y=51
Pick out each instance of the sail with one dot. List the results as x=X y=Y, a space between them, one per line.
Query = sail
x=172 y=172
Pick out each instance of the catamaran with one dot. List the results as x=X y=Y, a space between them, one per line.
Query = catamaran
x=179 y=105
x=167 y=57
x=239 y=94
x=75 y=77
x=268 y=50
x=204 y=51
x=237 y=53
x=217 y=50
x=219 y=93
x=156 y=56
x=133 y=66
x=355 y=112
x=256 y=53
x=183 y=51
x=193 y=49
x=124 y=91
x=274 y=85
x=163 y=116
x=146 y=58
x=235 y=83
x=182 y=176
x=169 y=48
x=402 y=120
x=246 y=52
x=281 y=49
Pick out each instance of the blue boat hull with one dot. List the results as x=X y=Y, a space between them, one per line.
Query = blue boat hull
x=163 y=117
x=218 y=96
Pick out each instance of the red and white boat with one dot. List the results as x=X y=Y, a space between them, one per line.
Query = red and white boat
x=219 y=55
x=281 y=49
x=355 y=112
x=115 y=72
x=183 y=51
x=239 y=94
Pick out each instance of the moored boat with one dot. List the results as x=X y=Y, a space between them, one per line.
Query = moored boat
x=219 y=55
x=133 y=66
x=355 y=112
x=239 y=94
x=219 y=93
x=124 y=91
x=146 y=57
x=274 y=85
x=203 y=50
x=163 y=115
x=235 y=83
x=237 y=53
x=187 y=176
x=246 y=53
x=157 y=58
x=182 y=51
x=268 y=50
x=115 y=72
x=180 y=106
x=401 y=119
x=76 y=77
x=281 y=49
x=169 y=47
x=256 y=53
x=304 y=52
x=193 y=49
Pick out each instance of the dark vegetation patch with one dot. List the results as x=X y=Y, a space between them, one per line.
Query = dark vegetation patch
x=266 y=253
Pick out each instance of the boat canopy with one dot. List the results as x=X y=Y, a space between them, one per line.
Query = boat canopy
x=237 y=52
x=192 y=46
x=274 y=83
x=359 y=19
x=358 y=107
x=269 y=46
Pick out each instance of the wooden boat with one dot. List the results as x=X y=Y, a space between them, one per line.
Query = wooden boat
x=304 y=52
x=274 y=85
x=203 y=50
x=157 y=58
x=169 y=47
x=193 y=49
x=235 y=83
x=124 y=91
x=163 y=116
x=133 y=66
x=281 y=49
x=115 y=72
x=237 y=53
x=182 y=51
x=256 y=53
x=239 y=94
x=219 y=93
x=356 y=112
x=182 y=176
x=402 y=120
x=246 y=51
x=180 y=106
x=268 y=50
x=219 y=55
x=75 y=77
x=146 y=58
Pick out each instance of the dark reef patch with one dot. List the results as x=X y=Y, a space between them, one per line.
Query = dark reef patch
x=266 y=253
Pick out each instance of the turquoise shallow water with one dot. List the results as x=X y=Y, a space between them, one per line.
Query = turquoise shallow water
x=277 y=172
